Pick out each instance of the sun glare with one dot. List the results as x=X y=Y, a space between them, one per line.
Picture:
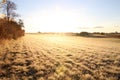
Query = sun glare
x=58 y=20
x=55 y=20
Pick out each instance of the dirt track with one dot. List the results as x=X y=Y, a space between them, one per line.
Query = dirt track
x=57 y=57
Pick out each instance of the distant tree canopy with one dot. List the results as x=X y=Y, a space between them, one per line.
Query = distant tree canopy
x=84 y=34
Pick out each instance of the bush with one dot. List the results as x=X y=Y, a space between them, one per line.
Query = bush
x=10 y=29
x=84 y=34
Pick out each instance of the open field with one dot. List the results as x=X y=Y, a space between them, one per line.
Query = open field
x=59 y=57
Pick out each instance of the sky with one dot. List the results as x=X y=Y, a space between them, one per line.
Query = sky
x=70 y=15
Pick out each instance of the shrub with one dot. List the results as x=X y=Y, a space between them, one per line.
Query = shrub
x=10 y=29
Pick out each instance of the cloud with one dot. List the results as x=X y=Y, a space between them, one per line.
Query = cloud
x=116 y=26
x=98 y=27
x=83 y=27
x=90 y=27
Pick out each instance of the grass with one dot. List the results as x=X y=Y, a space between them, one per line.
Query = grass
x=59 y=57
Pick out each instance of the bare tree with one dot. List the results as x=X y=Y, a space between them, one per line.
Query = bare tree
x=8 y=8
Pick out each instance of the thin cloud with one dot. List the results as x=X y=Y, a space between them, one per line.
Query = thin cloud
x=116 y=26
x=98 y=27
x=83 y=27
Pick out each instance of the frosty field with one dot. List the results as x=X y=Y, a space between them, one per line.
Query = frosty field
x=60 y=57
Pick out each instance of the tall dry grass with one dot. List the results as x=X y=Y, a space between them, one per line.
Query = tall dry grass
x=10 y=29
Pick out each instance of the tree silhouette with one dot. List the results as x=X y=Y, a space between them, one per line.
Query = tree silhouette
x=8 y=8
x=21 y=23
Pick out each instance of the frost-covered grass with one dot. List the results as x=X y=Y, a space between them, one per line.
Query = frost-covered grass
x=59 y=57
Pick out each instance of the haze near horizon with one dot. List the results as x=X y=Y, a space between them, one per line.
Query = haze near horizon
x=70 y=15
